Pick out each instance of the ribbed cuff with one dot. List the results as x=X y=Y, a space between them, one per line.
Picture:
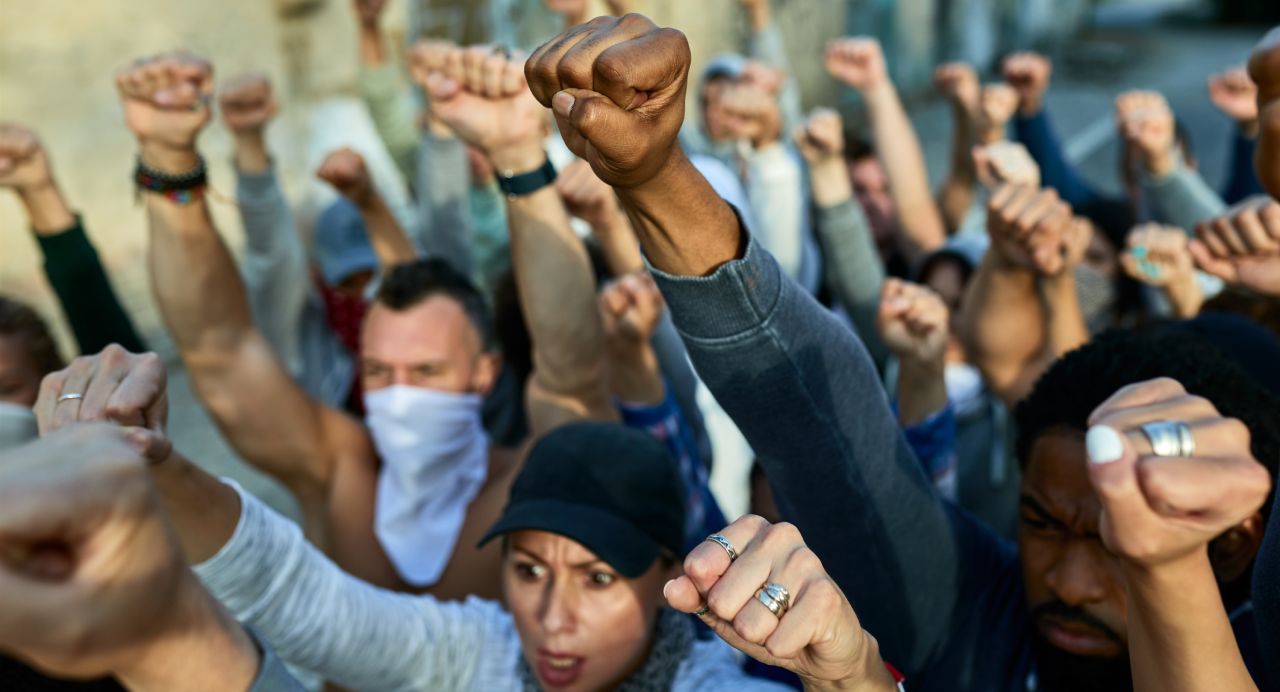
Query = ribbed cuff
x=733 y=300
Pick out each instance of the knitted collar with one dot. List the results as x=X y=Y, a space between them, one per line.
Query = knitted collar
x=673 y=636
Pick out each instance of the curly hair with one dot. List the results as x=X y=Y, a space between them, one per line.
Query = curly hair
x=18 y=321
x=1079 y=382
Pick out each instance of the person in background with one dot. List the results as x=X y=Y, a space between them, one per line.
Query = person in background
x=1158 y=257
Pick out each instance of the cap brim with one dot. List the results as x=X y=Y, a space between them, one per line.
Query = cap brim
x=616 y=541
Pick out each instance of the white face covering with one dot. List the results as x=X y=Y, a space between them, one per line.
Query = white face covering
x=435 y=457
x=17 y=425
x=964 y=387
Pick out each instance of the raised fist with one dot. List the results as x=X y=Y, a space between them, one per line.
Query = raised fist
x=631 y=307
x=1028 y=228
x=573 y=10
x=1158 y=255
x=116 y=386
x=1242 y=247
x=1005 y=163
x=1236 y=96
x=247 y=104
x=23 y=163
x=1146 y=123
x=763 y=77
x=586 y=196
x=857 y=62
x=368 y=12
x=1157 y=509
x=1264 y=70
x=481 y=96
x=617 y=86
x=821 y=138
x=814 y=631
x=166 y=100
x=751 y=114
x=1028 y=74
x=344 y=169
x=996 y=105
x=912 y=322
x=958 y=82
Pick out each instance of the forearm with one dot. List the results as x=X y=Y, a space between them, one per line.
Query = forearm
x=956 y=195
x=922 y=390
x=390 y=243
x=1182 y=198
x=618 y=244
x=47 y=209
x=373 y=50
x=1242 y=181
x=854 y=269
x=634 y=374
x=1180 y=638
x=1065 y=328
x=203 y=510
x=87 y=297
x=251 y=154
x=1036 y=133
x=1185 y=296
x=1003 y=326
x=903 y=161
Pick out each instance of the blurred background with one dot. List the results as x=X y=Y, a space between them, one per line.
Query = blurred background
x=57 y=58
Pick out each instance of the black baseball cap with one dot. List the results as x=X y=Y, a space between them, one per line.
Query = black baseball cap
x=611 y=488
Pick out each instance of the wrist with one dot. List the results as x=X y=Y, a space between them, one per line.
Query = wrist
x=167 y=158
x=830 y=181
x=1030 y=107
x=879 y=92
x=1169 y=575
x=1160 y=164
x=251 y=151
x=516 y=159
x=991 y=134
x=867 y=673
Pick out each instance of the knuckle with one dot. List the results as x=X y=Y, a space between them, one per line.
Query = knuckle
x=1236 y=430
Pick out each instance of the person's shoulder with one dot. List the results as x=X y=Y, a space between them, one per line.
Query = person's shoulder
x=712 y=665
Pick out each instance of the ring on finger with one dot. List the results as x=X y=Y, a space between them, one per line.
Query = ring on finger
x=70 y=396
x=771 y=603
x=1170 y=438
x=779 y=593
x=724 y=543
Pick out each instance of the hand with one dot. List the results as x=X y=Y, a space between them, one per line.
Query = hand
x=369 y=12
x=996 y=105
x=1005 y=163
x=752 y=115
x=1157 y=510
x=1028 y=74
x=763 y=77
x=93 y=579
x=1158 y=256
x=1028 y=227
x=958 y=82
x=588 y=197
x=483 y=98
x=1075 y=243
x=631 y=307
x=344 y=169
x=574 y=11
x=1242 y=247
x=166 y=105
x=858 y=63
x=1237 y=97
x=818 y=637
x=617 y=86
x=912 y=322
x=1146 y=123
x=24 y=166
x=116 y=386
x=821 y=138
x=1264 y=70
x=247 y=105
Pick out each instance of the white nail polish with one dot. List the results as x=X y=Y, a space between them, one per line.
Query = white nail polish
x=1103 y=444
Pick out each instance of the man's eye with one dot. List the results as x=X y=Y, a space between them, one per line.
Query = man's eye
x=530 y=571
x=602 y=578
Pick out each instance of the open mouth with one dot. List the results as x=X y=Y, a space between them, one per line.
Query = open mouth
x=557 y=669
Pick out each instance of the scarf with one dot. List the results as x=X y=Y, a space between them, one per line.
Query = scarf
x=672 y=639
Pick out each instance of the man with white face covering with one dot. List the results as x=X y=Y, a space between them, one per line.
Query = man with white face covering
x=402 y=498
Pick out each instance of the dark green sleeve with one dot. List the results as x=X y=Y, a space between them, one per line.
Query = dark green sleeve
x=87 y=298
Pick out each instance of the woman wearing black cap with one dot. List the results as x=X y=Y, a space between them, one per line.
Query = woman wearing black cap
x=592 y=536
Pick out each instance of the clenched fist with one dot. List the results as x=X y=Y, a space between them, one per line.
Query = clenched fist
x=1242 y=246
x=617 y=87
x=821 y=138
x=1029 y=228
x=995 y=106
x=166 y=104
x=1028 y=74
x=912 y=322
x=1158 y=256
x=1146 y=123
x=23 y=163
x=857 y=62
x=1005 y=163
x=247 y=104
x=958 y=82
x=1237 y=97
x=752 y=114
x=344 y=169
x=1264 y=70
x=631 y=307
x=586 y=196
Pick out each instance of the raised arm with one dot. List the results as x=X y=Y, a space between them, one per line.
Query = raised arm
x=385 y=93
x=483 y=97
x=958 y=82
x=267 y=418
x=71 y=262
x=794 y=379
x=859 y=63
x=1235 y=94
x=344 y=169
x=1158 y=256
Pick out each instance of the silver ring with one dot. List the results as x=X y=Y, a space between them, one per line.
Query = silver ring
x=768 y=601
x=68 y=397
x=1170 y=438
x=724 y=543
x=780 y=594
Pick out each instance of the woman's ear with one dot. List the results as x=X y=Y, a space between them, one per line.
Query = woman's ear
x=1232 y=553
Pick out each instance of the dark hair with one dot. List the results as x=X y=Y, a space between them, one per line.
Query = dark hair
x=857 y=148
x=946 y=256
x=1079 y=382
x=19 y=321
x=407 y=285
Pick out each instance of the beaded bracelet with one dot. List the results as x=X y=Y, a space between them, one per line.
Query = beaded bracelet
x=183 y=188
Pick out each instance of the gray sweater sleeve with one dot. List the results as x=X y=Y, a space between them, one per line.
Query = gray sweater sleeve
x=444 y=182
x=274 y=265
x=768 y=47
x=939 y=592
x=854 y=269
x=321 y=619
x=1182 y=198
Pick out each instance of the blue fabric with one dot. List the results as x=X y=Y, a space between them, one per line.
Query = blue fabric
x=1036 y=133
x=1242 y=179
x=934 y=441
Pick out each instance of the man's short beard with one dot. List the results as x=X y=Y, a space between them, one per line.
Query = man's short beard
x=1060 y=671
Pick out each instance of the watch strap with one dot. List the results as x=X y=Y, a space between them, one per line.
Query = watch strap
x=520 y=184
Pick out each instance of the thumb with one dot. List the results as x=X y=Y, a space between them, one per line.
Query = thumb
x=1205 y=260
x=682 y=595
x=1113 y=474
x=440 y=87
x=593 y=115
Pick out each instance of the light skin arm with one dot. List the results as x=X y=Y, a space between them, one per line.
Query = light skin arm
x=24 y=167
x=913 y=324
x=859 y=63
x=959 y=84
x=373 y=50
x=345 y=170
x=1158 y=256
x=1065 y=329
x=590 y=199
x=631 y=308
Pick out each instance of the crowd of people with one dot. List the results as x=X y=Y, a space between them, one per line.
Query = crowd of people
x=1017 y=433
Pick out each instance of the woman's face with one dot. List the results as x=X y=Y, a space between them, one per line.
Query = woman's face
x=582 y=625
x=19 y=373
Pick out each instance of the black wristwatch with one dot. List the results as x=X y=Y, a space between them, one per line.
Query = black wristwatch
x=519 y=184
